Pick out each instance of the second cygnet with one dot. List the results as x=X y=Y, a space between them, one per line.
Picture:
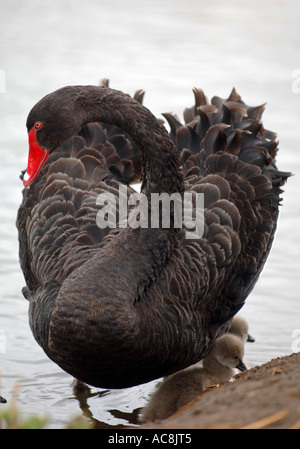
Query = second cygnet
x=180 y=388
x=240 y=327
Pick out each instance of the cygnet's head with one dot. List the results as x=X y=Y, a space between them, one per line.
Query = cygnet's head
x=239 y=327
x=228 y=350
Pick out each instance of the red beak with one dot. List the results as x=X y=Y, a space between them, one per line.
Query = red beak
x=36 y=159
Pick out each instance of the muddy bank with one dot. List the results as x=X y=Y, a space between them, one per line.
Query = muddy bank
x=264 y=397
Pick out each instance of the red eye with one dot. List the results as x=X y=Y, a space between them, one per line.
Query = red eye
x=38 y=125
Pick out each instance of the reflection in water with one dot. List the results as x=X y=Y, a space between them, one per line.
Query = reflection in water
x=82 y=393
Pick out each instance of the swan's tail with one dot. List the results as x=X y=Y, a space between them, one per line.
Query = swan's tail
x=223 y=145
x=225 y=126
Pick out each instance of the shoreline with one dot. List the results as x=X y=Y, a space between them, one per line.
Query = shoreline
x=263 y=397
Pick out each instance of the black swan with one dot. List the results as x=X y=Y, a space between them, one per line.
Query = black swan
x=116 y=307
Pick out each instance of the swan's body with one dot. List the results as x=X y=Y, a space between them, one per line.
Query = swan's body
x=119 y=307
x=180 y=388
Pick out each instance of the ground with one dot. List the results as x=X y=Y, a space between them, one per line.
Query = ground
x=264 y=397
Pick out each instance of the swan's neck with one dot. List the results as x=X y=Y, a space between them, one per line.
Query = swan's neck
x=160 y=165
x=161 y=173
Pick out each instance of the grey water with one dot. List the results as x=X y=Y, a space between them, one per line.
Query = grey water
x=165 y=47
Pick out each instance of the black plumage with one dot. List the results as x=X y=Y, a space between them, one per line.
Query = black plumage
x=117 y=307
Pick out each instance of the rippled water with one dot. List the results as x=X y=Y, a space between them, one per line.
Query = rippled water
x=165 y=47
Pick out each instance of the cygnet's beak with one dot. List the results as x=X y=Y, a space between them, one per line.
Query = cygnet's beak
x=250 y=338
x=241 y=366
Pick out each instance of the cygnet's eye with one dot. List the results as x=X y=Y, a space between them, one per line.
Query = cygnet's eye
x=38 y=125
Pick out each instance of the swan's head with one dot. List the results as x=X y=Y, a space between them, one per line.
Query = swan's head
x=229 y=351
x=54 y=119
